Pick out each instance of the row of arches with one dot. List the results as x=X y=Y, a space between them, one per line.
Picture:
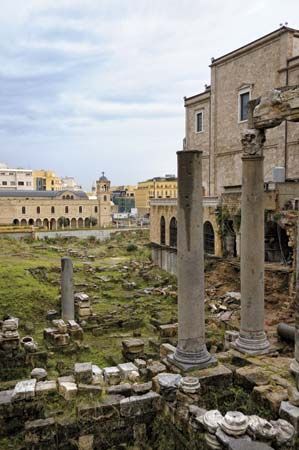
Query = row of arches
x=172 y=232
x=277 y=247
x=56 y=224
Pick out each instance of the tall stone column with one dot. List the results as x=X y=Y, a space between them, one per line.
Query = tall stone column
x=191 y=352
x=67 y=290
x=294 y=367
x=252 y=338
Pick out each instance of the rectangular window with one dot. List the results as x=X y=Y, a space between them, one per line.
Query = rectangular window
x=4 y=183
x=243 y=105
x=199 y=122
x=21 y=183
x=12 y=183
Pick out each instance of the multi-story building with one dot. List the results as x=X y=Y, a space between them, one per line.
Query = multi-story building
x=159 y=188
x=215 y=119
x=56 y=209
x=124 y=198
x=46 y=180
x=15 y=179
x=70 y=184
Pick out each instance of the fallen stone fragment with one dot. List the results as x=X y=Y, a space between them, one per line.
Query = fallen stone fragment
x=45 y=387
x=68 y=390
x=39 y=374
x=112 y=375
x=285 y=432
x=234 y=423
x=126 y=369
x=290 y=413
x=24 y=390
x=155 y=368
x=97 y=375
x=83 y=373
x=260 y=428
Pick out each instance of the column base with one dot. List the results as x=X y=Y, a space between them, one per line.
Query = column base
x=187 y=361
x=255 y=343
x=294 y=367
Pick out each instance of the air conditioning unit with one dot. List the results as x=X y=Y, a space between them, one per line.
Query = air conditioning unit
x=279 y=175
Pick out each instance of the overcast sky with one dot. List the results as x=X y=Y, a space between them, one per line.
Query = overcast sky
x=98 y=85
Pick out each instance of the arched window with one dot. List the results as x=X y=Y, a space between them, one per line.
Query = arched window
x=23 y=210
x=53 y=210
x=38 y=210
x=209 y=238
x=105 y=198
x=95 y=209
x=80 y=209
x=66 y=209
x=162 y=231
x=173 y=232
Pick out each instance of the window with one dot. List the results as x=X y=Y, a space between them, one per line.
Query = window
x=52 y=210
x=4 y=183
x=199 y=122
x=162 y=231
x=95 y=209
x=244 y=98
x=28 y=183
x=66 y=209
x=21 y=183
x=38 y=210
x=12 y=183
x=80 y=209
x=23 y=210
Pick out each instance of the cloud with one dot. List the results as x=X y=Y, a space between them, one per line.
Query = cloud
x=86 y=83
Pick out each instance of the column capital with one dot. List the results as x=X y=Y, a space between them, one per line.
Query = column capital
x=253 y=143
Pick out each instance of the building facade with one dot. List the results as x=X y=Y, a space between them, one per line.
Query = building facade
x=155 y=188
x=46 y=180
x=15 y=179
x=49 y=209
x=214 y=121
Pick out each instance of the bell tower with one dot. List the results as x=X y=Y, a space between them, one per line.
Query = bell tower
x=104 y=200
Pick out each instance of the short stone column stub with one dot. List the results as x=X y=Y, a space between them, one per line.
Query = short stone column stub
x=252 y=338
x=67 y=289
x=191 y=352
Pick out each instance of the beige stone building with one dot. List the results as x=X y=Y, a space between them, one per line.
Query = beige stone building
x=57 y=209
x=215 y=119
x=155 y=188
x=46 y=180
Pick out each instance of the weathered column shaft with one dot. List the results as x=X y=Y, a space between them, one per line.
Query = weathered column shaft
x=252 y=338
x=67 y=289
x=294 y=367
x=191 y=351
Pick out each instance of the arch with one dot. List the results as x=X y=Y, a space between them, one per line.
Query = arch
x=16 y=222
x=173 y=232
x=31 y=222
x=68 y=197
x=162 y=231
x=38 y=223
x=276 y=244
x=23 y=223
x=38 y=210
x=53 y=224
x=74 y=223
x=230 y=241
x=46 y=223
x=67 y=222
x=87 y=222
x=80 y=222
x=209 y=238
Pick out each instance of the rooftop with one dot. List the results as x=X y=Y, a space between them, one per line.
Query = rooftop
x=41 y=194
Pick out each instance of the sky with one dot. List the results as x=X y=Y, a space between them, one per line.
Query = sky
x=97 y=85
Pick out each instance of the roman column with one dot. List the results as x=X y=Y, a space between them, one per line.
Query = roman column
x=252 y=338
x=191 y=352
x=294 y=367
x=67 y=290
